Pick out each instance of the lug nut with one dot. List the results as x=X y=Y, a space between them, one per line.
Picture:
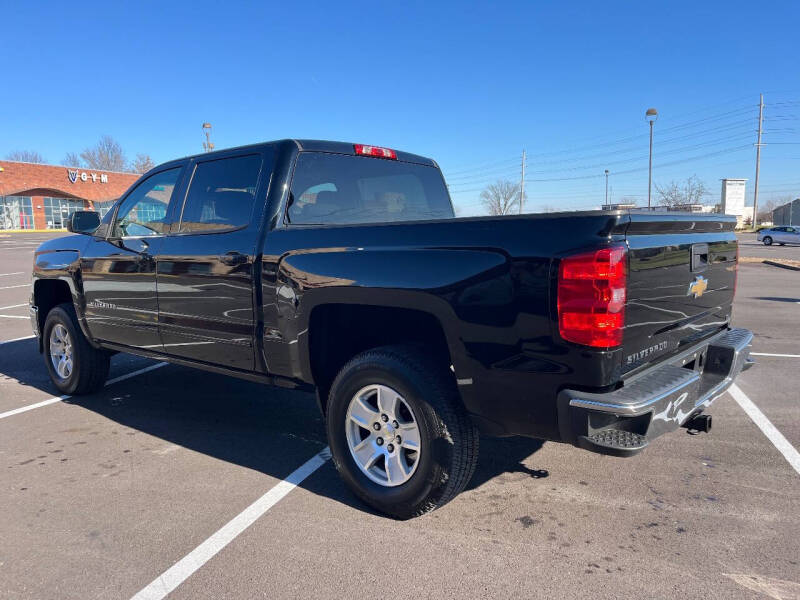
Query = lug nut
x=384 y=418
x=376 y=426
x=390 y=447
x=398 y=440
x=379 y=441
x=395 y=424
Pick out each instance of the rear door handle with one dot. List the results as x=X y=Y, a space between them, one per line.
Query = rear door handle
x=233 y=258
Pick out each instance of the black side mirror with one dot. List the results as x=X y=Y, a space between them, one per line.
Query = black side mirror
x=83 y=221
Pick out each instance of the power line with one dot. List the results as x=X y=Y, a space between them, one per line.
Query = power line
x=606 y=142
x=456 y=176
x=643 y=157
x=636 y=170
x=665 y=142
x=481 y=165
x=678 y=150
x=678 y=127
x=715 y=130
x=483 y=172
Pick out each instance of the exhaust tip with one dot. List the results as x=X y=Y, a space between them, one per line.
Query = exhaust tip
x=698 y=424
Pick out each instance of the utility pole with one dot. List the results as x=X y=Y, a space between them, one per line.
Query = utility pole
x=606 y=187
x=208 y=146
x=522 y=184
x=758 y=158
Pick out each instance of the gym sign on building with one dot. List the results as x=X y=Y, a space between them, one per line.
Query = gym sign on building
x=74 y=175
x=34 y=196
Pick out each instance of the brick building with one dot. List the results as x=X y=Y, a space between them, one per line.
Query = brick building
x=34 y=196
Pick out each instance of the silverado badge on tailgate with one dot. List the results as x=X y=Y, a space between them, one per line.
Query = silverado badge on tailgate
x=698 y=287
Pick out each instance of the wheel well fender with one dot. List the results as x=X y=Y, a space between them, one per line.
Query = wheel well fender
x=49 y=293
x=338 y=331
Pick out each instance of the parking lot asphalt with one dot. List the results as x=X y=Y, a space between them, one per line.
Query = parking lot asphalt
x=750 y=246
x=103 y=494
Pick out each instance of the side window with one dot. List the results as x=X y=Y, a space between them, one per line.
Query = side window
x=221 y=194
x=144 y=211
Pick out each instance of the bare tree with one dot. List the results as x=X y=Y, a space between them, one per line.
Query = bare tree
x=142 y=164
x=500 y=197
x=71 y=159
x=765 y=208
x=690 y=191
x=29 y=156
x=107 y=155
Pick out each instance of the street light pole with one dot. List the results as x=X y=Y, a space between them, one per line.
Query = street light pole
x=208 y=145
x=651 y=115
x=606 y=187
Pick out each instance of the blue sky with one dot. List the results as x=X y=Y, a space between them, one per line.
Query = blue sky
x=469 y=85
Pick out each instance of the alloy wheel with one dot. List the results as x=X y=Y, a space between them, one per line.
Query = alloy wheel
x=383 y=435
x=61 y=352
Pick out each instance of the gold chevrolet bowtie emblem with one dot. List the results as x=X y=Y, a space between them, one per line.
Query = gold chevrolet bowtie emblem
x=698 y=287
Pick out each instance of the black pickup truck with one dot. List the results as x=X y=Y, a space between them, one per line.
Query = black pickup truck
x=341 y=268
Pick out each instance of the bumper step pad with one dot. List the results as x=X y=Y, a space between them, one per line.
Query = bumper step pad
x=614 y=442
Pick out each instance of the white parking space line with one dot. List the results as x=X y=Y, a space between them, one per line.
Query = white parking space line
x=16 y=411
x=8 y=274
x=765 y=425
x=13 y=317
x=13 y=306
x=22 y=409
x=11 y=287
x=19 y=339
x=780 y=355
x=179 y=572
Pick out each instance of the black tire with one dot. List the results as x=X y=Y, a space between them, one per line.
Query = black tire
x=449 y=439
x=767 y=241
x=90 y=365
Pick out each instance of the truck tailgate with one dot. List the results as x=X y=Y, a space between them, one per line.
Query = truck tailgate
x=681 y=280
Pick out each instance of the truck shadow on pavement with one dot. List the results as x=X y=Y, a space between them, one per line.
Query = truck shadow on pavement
x=505 y=455
x=266 y=429
x=21 y=361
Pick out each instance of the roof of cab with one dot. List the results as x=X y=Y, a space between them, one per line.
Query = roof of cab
x=309 y=146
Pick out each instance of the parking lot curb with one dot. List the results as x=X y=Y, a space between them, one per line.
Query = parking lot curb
x=781 y=265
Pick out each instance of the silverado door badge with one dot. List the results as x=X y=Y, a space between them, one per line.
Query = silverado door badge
x=698 y=287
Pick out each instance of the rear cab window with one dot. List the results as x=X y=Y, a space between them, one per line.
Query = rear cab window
x=341 y=189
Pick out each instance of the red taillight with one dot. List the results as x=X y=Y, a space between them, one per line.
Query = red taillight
x=591 y=297
x=375 y=151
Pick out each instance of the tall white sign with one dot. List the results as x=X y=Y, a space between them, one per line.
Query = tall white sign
x=733 y=196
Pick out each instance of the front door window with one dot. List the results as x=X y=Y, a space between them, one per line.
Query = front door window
x=144 y=211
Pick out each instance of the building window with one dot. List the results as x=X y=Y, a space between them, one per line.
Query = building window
x=16 y=212
x=57 y=210
x=103 y=207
